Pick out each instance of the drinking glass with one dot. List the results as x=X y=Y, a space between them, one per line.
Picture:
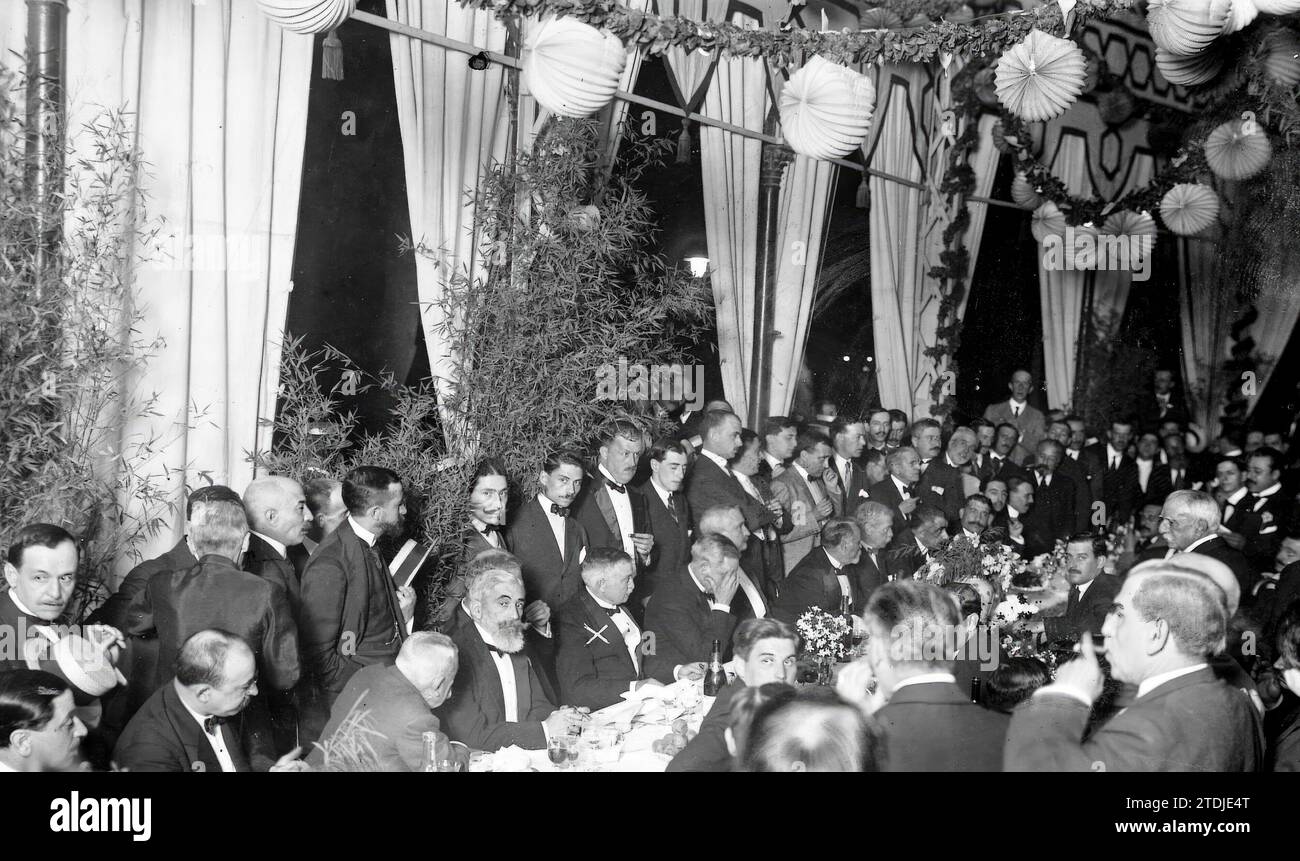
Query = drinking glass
x=448 y=765
x=557 y=750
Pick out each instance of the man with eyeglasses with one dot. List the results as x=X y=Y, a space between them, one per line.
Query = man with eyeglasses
x=1189 y=522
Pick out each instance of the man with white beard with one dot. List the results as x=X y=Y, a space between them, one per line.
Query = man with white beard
x=498 y=699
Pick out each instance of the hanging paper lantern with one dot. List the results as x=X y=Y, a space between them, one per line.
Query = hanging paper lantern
x=1186 y=26
x=1238 y=149
x=1241 y=14
x=1189 y=69
x=879 y=18
x=1138 y=230
x=1040 y=77
x=986 y=88
x=1047 y=220
x=1188 y=208
x=308 y=16
x=1278 y=7
x=1023 y=192
x=960 y=15
x=1282 y=60
x=571 y=68
x=826 y=109
x=1116 y=106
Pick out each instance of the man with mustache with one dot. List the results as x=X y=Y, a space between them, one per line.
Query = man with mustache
x=1092 y=590
x=498 y=699
x=549 y=542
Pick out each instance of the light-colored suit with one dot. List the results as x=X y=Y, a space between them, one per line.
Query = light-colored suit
x=796 y=497
x=1030 y=422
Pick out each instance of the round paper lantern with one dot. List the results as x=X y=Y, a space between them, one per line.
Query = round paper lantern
x=571 y=68
x=1186 y=26
x=879 y=18
x=1241 y=14
x=1189 y=69
x=1238 y=149
x=1138 y=230
x=1116 y=106
x=1040 y=77
x=1282 y=61
x=308 y=16
x=1047 y=220
x=1278 y=7
x=826 y=109
x=1023 y=192
x=1188 y=208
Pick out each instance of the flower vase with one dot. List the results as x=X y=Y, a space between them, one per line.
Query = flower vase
x=825 y=670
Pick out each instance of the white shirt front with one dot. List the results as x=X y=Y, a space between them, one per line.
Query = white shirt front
x=972 y=537
x=216 y=742
x=1144 y=472
x=846 y=589
x=1230 y=506
x=722 y=464
x=713 y=605
x=1017 y=407
x=926 y=679
x=556 y=521
x=627 y=628
x=902 y=488
x=777 y=466
x=622 y=505
x=1113 y=458
x=1154 y=682
x=363 y=533
x=662 y=493
x=279 y=548
x=506 y=670
x=844 y=469
x=1083 y=588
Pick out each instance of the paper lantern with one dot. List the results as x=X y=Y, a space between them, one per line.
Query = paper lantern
x=308 y=16
x=1040 y=77
x=571 y=68
x=1186 y=26
x=1047 y=220
x=1116 y=106
x=1278 y=7
x=1238 y=149
x=1138 y=230
x=1188 y=208
x=880 y=18
x=1282 y=60
x=1189 y=69
x=1241 y=14
x=826 y=109
x=1024 y=193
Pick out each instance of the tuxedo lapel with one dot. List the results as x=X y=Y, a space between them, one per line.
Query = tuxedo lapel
x=523 y=685
x=601 y=494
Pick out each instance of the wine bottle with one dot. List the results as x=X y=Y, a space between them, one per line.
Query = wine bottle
x=846 y=611
x=715 y=677
x=975 y=693
x=430 y=751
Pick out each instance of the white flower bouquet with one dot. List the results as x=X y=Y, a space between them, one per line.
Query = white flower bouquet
x=823 y=634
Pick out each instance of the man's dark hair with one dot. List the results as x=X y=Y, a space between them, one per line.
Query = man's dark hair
x=810 y=438
x=1274 y=457
x=999 y=428
x=897 y=416
x=210 y=493
x=921 y=425
x=565 y=457
x=773 y=425
x=751 y=631
x=27 y=701
x=978 y=497
x=318 y=492
x=840 y=425
x=363 y=487
x=664 y=446
x=872 y=456
x=1014 y=682
x=1015 y=481
x=976 y=424
x=1097 y=540
x=715 y=419
x=875 y=411
x=38 y=535
x=925 y=513
x=485 y=467
x=984 y=485
x=202 y=658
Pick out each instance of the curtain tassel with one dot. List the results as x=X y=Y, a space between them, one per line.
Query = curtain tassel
x=864 y=194
x=331 y=57
x=684 y=144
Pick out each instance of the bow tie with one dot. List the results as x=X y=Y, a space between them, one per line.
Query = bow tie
x=497 y=649
x=211 y=723
x=817 y=478
x=563 y=511
x=491 y=527
x=909 y=489
x=621 y=488
x=612 y=611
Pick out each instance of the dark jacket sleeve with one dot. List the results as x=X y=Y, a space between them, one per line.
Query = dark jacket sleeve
x=466 y=722
x=708 y=750
x=1046 y=734
x=677 y=637
x=143 y=748
x=139 y=615
x=280 y=642
x=115 y=611
x=327 y=650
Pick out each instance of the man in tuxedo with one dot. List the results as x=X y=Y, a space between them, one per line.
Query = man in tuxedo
x=1070 y=468
x=754 y=597
x=878 y=432
x=985 y=433
x=943 y=482
x=198 y=721
x=1022 y=534
x=806 y=495
x=485 y=529
x=325 y=502
x=1016 y=410
x=848 y=439
x=352 y=613
x=766 y=652
x=1163 y=404
x=669 y=518
x=39 y=730
x=1092 y=590
x=711 y=482
x=549 y=542
x=898 y=424
x=780 y=434
x=1181 y=471
x=278 y=517
x=498 y=698
x=1272 y=507
x=1005 y=458
x=1052 y=514
x=825 y=576
x=876 y=521
x=1153 y=476
x=598 y=643
x=1166 y=624
x=927 y=439
x=399 y=700
x=1113 y=474
x=898 y=491
x=612 y=513
x=910 y=549
x=692 y=610
x=929 y=723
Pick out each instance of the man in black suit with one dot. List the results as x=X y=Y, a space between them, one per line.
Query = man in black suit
x=599 y=654
x=1070 y=468
x=878 y=432
x=981 y=462
x=485 y=529
x=278 y=519
x=549 y=542
x=669 y=517
x=1017 y=530
x=1273 y=508
x=898 y=424
x=1006 y=443
x=1154 y=482
x=899 y=491
x=942 y=484
x=910 y=550
x=825 y=576
x=929 y=723
x=692 y=610
x=780 y=434
x=766 y=652
x=1163 y=404
x=848 y=439
x=1167 y=623
x=610 y=511
x=711 y=481
x=927 y=438
x=498 y=698
x=1113 y=474
x=763 y=552
x=754 y=597
x=198 y=722
x=1189 y=523
x=352 y=614
x=1052 y=514
x=1092 y=590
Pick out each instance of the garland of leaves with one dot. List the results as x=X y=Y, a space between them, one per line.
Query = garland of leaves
x=982 y=37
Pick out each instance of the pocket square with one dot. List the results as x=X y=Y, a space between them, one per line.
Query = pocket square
x=938 y=490
x=863 y=494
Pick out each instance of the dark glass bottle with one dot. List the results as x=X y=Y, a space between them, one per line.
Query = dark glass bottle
x=715 y=677
x=975 y=693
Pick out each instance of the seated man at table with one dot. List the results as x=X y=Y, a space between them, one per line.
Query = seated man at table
x=399 y=699
x=692 y=609
x=598 y=643
x=498 y=699
x=766 y=652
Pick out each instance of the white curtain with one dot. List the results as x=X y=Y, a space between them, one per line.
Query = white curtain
x=1206 y=318
x=455 y=125
x=1061 y=292
x=617 y=110
x=984 y=163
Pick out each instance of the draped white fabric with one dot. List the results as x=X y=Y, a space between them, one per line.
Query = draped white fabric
x=1206 y=320
x=688 y=69
x=1061 y=292
x=984 y=163
x=616 y=113
x=455 y=124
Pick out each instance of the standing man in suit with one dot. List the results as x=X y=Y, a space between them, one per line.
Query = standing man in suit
x=805 y=497
x=352 y=612
x=754 y=597
x=942 y=484
x=279 y=519
x=612 y=513
x=1189 y=523
x=1017 y=411
x=198 y=722
x=39 y=731
x=848 y=439
x=1153 y=476
x=985 y=433
x=825 y=576
x=485 y=529
x=1163 y=404
x=599 y=654
x=711 y=481
x=692 y=610
x=876 y=521
x=1070 y=468
x=1178 y=464
x=325 y=501
x=1272 y=507
x=764 y=555
x=898 y=491
x=878 y=432
x=927 y=439
x=669 y=518
x=780 y=434
x=399 y=700
x=1166 y=624
x=549 y=542
x=1005 y=459
x=1092 y=590
x=498 y=699
x=1235 y=501
x=1114 y=475
x=1052 y=515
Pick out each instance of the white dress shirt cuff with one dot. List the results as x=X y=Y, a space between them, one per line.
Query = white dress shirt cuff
x=410 y=627
x=714 y=605
x=1066 y=690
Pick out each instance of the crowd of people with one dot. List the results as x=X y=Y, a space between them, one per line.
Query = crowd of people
x=286 y=611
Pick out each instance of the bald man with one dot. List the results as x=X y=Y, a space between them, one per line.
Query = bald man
x=278 y=518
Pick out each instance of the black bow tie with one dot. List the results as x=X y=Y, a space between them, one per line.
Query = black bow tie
x=563 y=511
x=817 y=478
x=211 y=723
x=612 y=611
x=492 y=527
x=910 y=489
x=621 y=488
x=498 y=650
